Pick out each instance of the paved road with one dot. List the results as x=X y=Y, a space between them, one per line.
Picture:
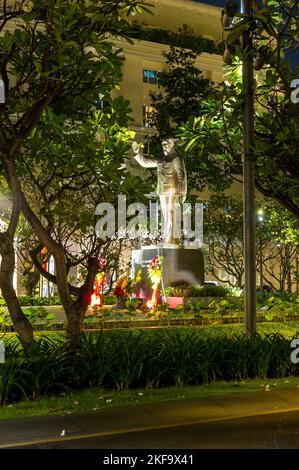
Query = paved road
x=245 y=420
x=276 y=431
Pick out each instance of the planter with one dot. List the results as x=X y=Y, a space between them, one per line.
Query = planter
x=205 y=301
x=173 y=302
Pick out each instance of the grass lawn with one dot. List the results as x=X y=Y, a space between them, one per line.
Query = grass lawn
x=288 y=329
x=95 y=399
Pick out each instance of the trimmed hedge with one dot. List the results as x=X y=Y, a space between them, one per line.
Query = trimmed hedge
x=130 y=359
x=197 y=291
x=25 y=301
x=185 y=38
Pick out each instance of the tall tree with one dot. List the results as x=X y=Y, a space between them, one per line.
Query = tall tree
x=217 y=136
x=59 y=169
x=223 y=238
x=58 y=55
x=277 y=239
x=181 y=95
x=181 y=89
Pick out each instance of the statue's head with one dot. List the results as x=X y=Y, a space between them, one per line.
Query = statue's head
x=168 y=146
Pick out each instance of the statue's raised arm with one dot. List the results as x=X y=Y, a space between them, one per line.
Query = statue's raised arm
x=145 y=162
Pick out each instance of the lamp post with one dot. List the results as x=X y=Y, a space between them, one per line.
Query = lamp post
x=249 y=176
x=229 y=23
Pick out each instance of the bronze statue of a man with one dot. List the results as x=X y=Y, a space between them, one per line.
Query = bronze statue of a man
x=171 y=187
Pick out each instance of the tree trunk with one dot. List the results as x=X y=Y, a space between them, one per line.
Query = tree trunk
x=20 y=322
x=76 y=312
x=240 y=281
x=289 y=268
x=31 y=280
x=75 y=319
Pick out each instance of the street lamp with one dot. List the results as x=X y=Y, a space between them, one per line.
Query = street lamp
x=249 y=176
x=229 y=24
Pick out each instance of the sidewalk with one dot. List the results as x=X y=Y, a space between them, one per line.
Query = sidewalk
x=37 y=430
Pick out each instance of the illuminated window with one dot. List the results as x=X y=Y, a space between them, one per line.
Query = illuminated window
x=148 y=116
x=101 y=104
x=151 y=76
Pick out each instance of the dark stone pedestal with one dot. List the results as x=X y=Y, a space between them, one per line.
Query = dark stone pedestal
x=180 y=266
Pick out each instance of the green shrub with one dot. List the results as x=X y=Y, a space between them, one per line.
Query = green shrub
x=4 y=316
x=34 y=314
x=275 y=306
x=178 y=291
x=110 y=299
x=197 y=291
x=211 y=291
x=92 y=361
x=25 y=301
x=12 y=378
x=12 y=381
x=47 y=367
x=185 y=38
x=133 y=359
x=127 y=358
x=263 y=297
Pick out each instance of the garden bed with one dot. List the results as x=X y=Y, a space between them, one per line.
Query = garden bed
x=153 y=323
x=141 y=359
x=189 y=311
x=173 y=302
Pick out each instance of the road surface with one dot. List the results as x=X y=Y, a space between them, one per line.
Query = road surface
x=270 y=431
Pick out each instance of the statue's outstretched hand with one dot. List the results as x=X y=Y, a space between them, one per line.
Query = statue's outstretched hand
x=136 y=148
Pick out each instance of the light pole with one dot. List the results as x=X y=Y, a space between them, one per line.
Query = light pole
x=229 y=23
x=249 y=176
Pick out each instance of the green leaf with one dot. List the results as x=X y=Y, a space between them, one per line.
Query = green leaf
x=50 y=316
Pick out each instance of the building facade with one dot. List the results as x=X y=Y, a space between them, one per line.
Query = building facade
x=144 y=59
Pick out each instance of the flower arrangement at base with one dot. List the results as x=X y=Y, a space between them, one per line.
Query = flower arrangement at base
x=136 y=285
x=121 y=291
x=97 y=298
x=155 y=276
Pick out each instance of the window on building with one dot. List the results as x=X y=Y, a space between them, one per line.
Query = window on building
x=148 y=116
x=101 y=104
x=151 y=76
